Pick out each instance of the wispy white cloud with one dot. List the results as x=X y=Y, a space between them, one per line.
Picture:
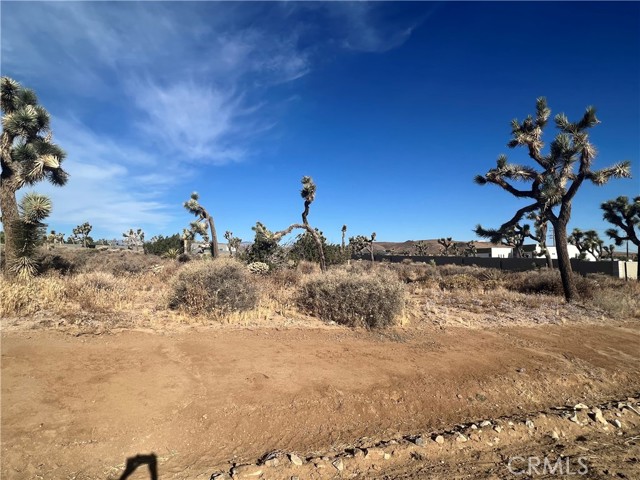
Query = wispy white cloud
x=105 y=182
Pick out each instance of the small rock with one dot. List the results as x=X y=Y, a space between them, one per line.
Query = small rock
x=621 y=405
x=272 y=462
x=521 y=370
x=459 y=396
x=529 y=424
x=617 y=423
x=295 y=478
x=574 y=418
x=580 y=406
x=220 y=476
x=418 y=440
x=246 y=471
x=461 y=438
x=597 y=416
x=339 y=464
x=474 y=426
x=358 y=453
x=497 y=428
x=485 y=423
x=618 y=414
x=374 y=453
x=387 y=456
x=510 y=423
x=439 y=439
x=555 y=435
x=295 y=459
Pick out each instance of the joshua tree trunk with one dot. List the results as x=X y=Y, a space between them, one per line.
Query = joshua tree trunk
x=214 y=238
x=547 y=255
x=10 y=216
x=564 y=264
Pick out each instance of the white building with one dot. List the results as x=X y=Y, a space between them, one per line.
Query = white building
x=535 y=252
x=494 y=252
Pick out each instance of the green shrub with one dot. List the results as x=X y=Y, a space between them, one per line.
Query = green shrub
x=368 y=300
x=219 y=286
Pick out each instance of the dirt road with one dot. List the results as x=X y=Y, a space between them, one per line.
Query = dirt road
x=77 y=407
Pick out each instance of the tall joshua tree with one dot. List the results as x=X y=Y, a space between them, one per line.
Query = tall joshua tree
x=308 y=193
x=27 y=156
x=624 y=215
x=81 y=233
x=556 y=178
x=587 y=242
x=193 y=206
x=344 y=233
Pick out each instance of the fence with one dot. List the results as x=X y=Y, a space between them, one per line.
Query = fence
x=616 y=268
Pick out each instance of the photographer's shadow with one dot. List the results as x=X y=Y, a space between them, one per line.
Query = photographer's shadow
x=133 y=463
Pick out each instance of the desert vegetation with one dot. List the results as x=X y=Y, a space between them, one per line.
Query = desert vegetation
x=113 y=289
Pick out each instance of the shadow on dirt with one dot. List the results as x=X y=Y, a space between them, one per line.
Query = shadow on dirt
x=134 y=462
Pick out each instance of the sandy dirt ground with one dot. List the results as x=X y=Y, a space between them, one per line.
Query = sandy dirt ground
x=202 y=400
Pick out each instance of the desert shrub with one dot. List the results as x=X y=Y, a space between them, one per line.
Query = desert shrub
x=53 y=262
x=119 y=263
x=21 y=298
x=307 y=268
x=258 y=268
x=450 y=270
x=286 y=277
x=368 y=300
x=545 y=281
x=219 y=286
x=97 y=291
x=415 y=272
x=617 y=297
x=184 y=258
x=458 y=281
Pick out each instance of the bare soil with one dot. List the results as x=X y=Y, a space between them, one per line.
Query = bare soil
x=205 y=399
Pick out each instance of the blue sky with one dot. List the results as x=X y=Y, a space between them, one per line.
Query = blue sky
x=391 y=107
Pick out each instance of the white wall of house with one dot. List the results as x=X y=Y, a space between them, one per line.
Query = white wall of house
x=495 y=252
x=573 y=253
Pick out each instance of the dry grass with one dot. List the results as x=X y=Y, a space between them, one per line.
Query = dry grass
x=127 y=289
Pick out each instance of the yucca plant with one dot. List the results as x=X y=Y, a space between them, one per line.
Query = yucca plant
x=28 y=232
x=27 y=156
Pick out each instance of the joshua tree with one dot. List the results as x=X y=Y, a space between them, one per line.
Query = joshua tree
x=27 y=156
x=624 y=215
x=446 y=243
x=540 y=225
x=561 y=173
x=308 y=193
x=344 y=232
x=360 y=243
x=81 y=232
x=54 y=238
x=233 y=242
x=28 y=231
x=608 y=251
x=187 y=237
x=133 y=240
x=471 y=250
x=422 y=247
x=193 y=206
x=587 y=242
